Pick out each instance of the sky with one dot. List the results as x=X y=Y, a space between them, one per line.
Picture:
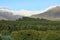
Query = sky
x=28 y=4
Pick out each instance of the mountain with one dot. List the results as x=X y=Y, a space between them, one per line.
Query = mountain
x=1 y=18
x=52 y=13
x=6 y=14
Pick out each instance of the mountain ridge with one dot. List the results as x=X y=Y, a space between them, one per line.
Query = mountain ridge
x=50 y=14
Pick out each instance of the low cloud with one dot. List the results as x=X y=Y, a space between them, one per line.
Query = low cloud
x=25 y=12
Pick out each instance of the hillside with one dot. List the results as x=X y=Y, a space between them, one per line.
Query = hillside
x=29 y=28
x=50 y=14
x=7 y=14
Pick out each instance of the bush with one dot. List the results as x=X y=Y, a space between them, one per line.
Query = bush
x=26 y=35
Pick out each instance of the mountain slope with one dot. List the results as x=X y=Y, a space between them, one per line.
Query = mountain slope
x=7 y=14
x=1 y=18
x=50 y=14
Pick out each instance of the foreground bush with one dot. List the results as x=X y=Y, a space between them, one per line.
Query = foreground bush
x=26 y=35
x=35 y=35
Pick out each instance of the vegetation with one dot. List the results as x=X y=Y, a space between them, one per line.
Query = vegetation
x=30 y=29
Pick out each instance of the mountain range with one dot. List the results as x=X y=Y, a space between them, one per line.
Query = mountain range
x=51 y=13
x=7 y=14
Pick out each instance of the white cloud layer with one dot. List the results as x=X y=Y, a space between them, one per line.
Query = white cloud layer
x=26 y=12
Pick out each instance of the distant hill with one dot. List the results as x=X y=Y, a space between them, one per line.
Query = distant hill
x=6 y=14
x=1 y=18
x=50 y=14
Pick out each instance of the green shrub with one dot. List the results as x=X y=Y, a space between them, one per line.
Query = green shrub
x=26 y=35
